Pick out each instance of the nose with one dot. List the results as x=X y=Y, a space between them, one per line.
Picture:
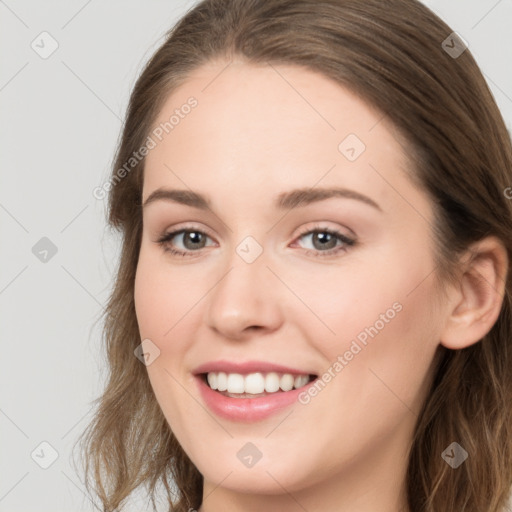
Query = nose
x=247 y=298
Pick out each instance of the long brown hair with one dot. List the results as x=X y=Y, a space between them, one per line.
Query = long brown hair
x=391 y=53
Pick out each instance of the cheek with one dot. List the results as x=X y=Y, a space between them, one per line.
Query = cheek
x=162 y=300
x=378 y=387
x=163 y=297
x=384 y=327
x=360 y=298
x=387 y=354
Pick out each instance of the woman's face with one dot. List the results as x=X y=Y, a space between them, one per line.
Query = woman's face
x=258 y=287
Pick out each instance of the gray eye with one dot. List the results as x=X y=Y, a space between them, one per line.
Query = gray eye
x=193 y=239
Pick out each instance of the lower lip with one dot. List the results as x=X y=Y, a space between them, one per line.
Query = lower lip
x=247 y=409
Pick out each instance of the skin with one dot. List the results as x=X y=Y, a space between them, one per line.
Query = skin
x=259 y=131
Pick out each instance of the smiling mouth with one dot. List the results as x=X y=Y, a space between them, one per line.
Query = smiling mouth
x=254 y=385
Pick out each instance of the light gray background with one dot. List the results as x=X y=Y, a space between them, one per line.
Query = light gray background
x=61 y=117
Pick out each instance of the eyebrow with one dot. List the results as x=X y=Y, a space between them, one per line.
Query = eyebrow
x=286 y=200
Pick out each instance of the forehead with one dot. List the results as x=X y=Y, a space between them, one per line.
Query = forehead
x=255 y=128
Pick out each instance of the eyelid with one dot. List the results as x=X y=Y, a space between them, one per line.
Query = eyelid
x=321 y=226
x=186 y=227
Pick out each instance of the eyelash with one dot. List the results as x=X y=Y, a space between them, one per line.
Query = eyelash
x=348 y=242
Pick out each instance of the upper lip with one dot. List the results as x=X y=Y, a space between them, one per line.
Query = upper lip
x=247 y=367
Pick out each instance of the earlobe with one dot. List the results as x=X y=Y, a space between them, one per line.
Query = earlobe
x=476 y=303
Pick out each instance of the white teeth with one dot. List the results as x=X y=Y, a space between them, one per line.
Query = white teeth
x=255 y=383
x=300 y=380
x=272 y=382
x=235 y=383
x=212 y=380
x=286 y=383
x=222 y=381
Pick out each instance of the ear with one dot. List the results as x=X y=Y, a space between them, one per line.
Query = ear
x=476 y=301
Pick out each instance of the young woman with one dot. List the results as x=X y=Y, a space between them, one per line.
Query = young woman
x=312 y=310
